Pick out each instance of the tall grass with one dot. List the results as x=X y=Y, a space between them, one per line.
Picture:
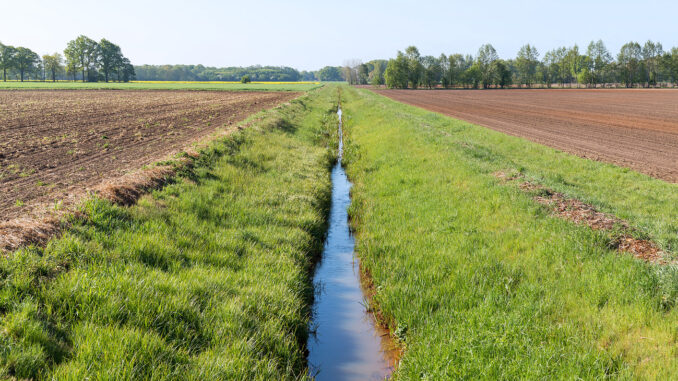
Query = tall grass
x=208 y=278
x=477 y=279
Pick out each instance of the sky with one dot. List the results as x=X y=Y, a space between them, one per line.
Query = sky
x=308 y=34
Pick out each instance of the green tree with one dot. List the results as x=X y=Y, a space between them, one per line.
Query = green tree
x=652 y=53
x=486 y=57
x=457 y=66
x=473 y=76
x=363 y=74
x=444 y=63
x=396 y=74
x=376 y=76
x=526 y=63
x=126 y=71
x=671 y=63
x=109 y=57
x=26 y=61
x=554 y=61
x=502 y=73
x=330 y=73
x=573 y=63
x=629 y=59
x=53 y=64
x=82 y=53
x=245 y=79
x=414 y=66
x=431 y=71
x=7 y=59
x=600 y=61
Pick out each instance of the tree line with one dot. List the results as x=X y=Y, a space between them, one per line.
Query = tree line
x=635 y=65
x=255 y=73
x=205 y=73
x=83 y=59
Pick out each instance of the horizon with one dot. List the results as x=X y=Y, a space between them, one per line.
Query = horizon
x=185 y=36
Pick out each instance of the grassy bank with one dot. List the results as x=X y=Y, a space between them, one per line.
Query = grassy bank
x=208 y=278
x=271 y=86
x=479 y=280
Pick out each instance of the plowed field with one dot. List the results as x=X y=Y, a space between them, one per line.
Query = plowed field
x=631 y=127
x=54 y=144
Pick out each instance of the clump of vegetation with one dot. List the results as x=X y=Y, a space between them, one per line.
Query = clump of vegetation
x=245 y=79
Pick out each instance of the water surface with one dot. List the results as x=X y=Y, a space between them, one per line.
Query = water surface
x=347 y=344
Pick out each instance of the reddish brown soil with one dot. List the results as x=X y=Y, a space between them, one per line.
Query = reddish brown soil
x=629 y=127
x=56 y=144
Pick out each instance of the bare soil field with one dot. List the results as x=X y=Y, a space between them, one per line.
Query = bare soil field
x=633 y=128
x=57 y=144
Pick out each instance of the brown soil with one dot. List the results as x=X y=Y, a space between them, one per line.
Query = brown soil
x=56 y=145
x=633 y=128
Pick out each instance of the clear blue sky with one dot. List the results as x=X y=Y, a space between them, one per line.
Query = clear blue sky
x=310 y=34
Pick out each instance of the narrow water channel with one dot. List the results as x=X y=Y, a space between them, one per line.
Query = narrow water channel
x=347 y=344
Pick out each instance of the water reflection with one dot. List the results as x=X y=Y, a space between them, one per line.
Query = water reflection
x=346 y=345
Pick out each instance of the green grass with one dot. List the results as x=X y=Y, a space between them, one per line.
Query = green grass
x=208 y=278
x=480 y=281
x=160 y=86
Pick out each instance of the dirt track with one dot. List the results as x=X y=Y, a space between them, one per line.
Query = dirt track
x=55 y=144
x=630 y=127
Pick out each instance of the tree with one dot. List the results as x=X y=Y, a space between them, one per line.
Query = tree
x=330 y=73
x=245 y=79
x=457 y=66
x=82 y=52
x=486 y=56
x=652 y=53
x=600 y=59
x=396 y=74
x=431 y=71
x=376 y=76
x=502 y=73
x=526 y=63
x=628 y=59
x=414 y=66
x=7 y=59
x=363 y=74
x=444 y=63
x=574 y=63
x=472 y=76
x=109 y=57
x=671 y=63
x=554 y=61
x=25 y=60
x=126 y=71
x=53 y=64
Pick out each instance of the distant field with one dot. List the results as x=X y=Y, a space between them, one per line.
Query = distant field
x=636 y=128
x=56 y=142
x=143 y=85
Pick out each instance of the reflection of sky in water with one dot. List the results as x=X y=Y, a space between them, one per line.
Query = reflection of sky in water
x=346 y=345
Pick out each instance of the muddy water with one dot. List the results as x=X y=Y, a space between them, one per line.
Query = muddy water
x=347 y=344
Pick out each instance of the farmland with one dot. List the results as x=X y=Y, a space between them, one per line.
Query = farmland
x=162 y=85
x=478 y=279
x=631 y=128
x=469 y=265
x=206 y=278
x=55 y=144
